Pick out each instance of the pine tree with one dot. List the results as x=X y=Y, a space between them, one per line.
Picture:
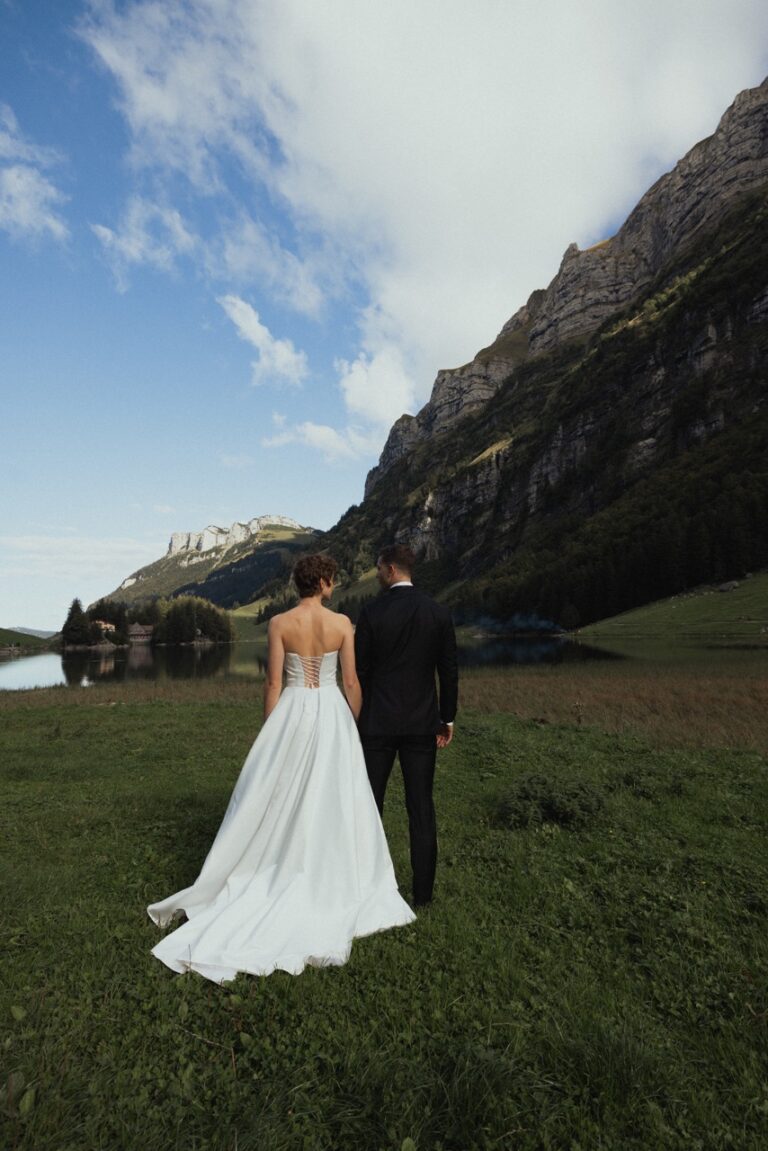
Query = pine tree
x=77 y=626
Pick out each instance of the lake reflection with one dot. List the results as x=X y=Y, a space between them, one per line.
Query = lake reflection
x=144 y=662
x=30 y=671
x=506 y=650
x=81 y=668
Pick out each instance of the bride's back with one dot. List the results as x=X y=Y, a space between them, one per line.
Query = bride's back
x=310 y=631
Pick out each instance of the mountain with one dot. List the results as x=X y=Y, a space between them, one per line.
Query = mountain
x=35 y=632
x=610 y=446
x=225 y=565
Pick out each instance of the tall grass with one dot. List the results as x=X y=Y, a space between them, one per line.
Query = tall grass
x=724 y=704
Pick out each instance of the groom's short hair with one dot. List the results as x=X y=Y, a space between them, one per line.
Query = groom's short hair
x=310 y=570
x=399 y=556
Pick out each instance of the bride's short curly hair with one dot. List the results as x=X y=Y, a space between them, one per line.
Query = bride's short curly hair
x=309 y=570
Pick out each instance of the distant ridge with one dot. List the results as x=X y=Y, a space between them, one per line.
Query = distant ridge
x=216 y=537
x=14 y=638
x=228 y=566
x=34 y=632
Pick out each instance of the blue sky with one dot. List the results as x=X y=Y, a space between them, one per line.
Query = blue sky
x=238 y=238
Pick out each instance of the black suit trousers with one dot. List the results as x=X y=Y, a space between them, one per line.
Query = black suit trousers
x=417 y=755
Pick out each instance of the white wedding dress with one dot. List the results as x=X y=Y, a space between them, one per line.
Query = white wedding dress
x=300 y=865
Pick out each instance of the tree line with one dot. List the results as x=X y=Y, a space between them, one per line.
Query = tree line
x=683 y=527
x=184 y=619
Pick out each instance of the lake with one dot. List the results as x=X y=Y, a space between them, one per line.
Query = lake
x=81 y=668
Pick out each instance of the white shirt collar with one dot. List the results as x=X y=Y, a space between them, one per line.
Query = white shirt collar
x=401 y=583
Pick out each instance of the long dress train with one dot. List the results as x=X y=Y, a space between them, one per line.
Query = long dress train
x=300 y=864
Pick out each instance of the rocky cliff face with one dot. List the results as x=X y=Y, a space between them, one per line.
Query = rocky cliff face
x=455 y=394
x=609 y=448
x=215 y=537
x=593 y=285
x=671 y=390
x=221 y=564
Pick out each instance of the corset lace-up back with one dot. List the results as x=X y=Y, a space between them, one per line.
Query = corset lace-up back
x=311 y=671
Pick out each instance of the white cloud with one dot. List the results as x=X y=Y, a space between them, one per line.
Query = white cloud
x=333 y=445
x=377 y=387
x=29 y=201
x=172 y=64
x=82 y=566
x=163 y=510
x=147 y=234
x=278 y=362
x=71 y=556
x=431 y=160
x=237 y=463
x=245 y=253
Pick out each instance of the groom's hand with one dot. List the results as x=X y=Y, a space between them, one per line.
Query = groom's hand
x=444 y=735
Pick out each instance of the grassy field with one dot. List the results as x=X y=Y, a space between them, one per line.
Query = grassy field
x=593 y=973
x=244 y=622
x=669 y=695
x=738 y=614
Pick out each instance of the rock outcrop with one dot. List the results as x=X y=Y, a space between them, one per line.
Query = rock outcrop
x=591 y=285
x=455 y=394
x=594 y=284
x=216 y=537
x=225 y=565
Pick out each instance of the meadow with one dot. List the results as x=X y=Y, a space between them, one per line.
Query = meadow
x=739 y=614
x=592 y=974
x=19 y=640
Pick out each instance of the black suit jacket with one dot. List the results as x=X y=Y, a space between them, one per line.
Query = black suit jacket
x=402 y=639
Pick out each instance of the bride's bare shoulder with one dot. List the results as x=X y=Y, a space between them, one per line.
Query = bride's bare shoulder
x=339 y=623
x=277 y=624
x=343 y=621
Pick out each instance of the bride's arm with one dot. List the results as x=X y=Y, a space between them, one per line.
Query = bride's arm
x=273 y=684
x=348 y=670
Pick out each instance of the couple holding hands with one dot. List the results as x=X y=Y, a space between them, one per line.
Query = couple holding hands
x=300 y=864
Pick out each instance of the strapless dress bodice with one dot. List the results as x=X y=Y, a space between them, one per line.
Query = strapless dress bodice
x=310 y=670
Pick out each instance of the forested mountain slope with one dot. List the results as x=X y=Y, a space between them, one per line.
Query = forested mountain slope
x=610 y=454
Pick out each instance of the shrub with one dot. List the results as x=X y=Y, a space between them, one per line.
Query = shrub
x=536 y=799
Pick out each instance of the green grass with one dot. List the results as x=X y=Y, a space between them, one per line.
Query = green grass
x=365 y=585
x=10 y=638
x=245 y=626
x=738 y=614
x=670 y=695
x=598 y=983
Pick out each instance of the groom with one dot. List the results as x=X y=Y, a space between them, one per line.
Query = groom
x=402 y=638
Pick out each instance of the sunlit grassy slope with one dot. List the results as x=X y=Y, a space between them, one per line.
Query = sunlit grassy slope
x=9 y=638
x=365 y=585
x=741 y=613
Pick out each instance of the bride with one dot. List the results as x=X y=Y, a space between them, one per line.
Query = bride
x=300 y=865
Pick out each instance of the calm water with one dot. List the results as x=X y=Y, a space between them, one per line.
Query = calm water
x=241 y=660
